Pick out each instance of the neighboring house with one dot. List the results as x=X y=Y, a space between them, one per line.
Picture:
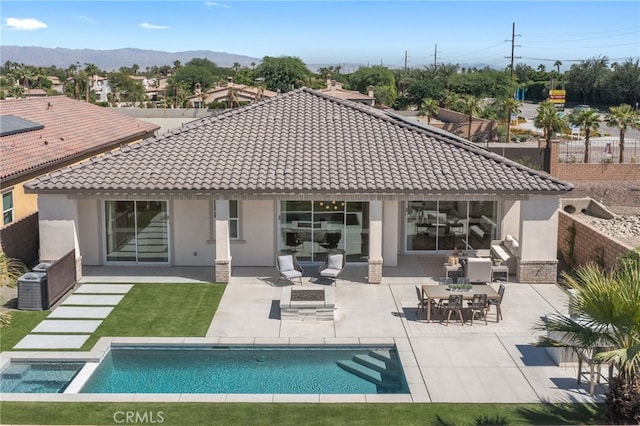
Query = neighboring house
x=230 y=92
x=335 y=89
x=40 y=135
x=56 y=84
x=35 y=93
x=234 y=188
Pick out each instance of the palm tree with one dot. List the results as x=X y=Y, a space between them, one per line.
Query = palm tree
x=557 y=64
x=430 y=108
x=589 y=120
x=549 y=120
x=608 y=306
x=470 y=106
x=623 y=117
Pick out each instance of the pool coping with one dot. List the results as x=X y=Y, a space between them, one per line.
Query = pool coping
x=415 y=382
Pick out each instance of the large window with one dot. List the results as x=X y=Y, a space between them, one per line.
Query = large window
x=7 y=207
x=311 y=228
x=234 y=220
x=136 y=231
x=445 y=225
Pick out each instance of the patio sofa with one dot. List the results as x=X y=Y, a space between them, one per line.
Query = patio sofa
x=507 y=251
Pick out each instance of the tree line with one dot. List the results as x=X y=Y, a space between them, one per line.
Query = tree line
x=593 y=80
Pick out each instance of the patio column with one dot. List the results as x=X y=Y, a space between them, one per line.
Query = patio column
x=223 y=247
x=538 y=260
x=375 y=242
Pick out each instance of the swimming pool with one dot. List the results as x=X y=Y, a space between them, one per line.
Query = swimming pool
x=38 y=377
x=249 y=370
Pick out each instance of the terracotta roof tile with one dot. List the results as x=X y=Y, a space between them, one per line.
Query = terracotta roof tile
x=303 y=141
x=71 y=129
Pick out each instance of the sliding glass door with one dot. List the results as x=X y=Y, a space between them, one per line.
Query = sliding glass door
x=311 y=228
x=449 y=225
x=136 y=231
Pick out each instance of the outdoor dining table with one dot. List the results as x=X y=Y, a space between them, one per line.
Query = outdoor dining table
x=437 y=292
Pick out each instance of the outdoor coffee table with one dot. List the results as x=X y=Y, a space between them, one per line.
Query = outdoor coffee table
x=437 y=292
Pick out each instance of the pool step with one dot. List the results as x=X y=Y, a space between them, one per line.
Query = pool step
x=377 y=367
x=361 y=371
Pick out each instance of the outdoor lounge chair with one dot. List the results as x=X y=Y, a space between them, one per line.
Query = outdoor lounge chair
x=334 y=265
x=478 y=269
x=288 y=266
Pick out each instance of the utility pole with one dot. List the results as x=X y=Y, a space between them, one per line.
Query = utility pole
x=405 y=61
x=513 y=46
x=435 y=56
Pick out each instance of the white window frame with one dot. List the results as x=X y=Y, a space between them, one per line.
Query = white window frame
x=10 y=210
x=235 y=219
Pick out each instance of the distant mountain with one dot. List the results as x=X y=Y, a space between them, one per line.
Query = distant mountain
x=110 y=60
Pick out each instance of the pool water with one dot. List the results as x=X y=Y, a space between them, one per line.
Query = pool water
x=38 y=377
x=240 y=370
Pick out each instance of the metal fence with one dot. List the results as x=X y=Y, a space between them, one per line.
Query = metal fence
x=600 y=151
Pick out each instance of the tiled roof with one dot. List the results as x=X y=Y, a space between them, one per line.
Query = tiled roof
x=301 y=142
x=338 y=92
x=71 y=129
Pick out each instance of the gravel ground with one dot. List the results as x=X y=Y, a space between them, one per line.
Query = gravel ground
x=622 y=198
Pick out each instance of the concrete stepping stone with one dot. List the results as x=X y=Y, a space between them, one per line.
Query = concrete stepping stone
x=52 y=341
x=67 y=326
x=103 y=289
x=80 y=312
x=93 y=299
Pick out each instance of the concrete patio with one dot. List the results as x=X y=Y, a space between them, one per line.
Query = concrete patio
x=496 y=362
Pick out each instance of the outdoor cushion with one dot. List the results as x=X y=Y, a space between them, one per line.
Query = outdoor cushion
x=335 y=261
x=286 y=263
x=330 y=272
x=292 y=274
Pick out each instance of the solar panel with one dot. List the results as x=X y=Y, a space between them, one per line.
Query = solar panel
x=10 y=125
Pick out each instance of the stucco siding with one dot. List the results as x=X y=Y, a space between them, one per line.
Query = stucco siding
x=511 y=219
x=190 y=233
x=257 y=245
x=539 y=228
x=90 y=231
x=58 y=221
x=390 y=233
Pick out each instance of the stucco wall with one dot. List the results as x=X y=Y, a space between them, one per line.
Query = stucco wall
x=390 y=233
x=90 y=231
x=58 y=233
x=191 y=222
x=539 y=227
x=257 y=244
x=511 y=219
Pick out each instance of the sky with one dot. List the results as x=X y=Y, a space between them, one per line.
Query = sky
x=335 y=32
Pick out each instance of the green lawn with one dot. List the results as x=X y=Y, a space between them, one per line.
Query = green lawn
x=165 y=310
x=148 y=310
x=22 y=322
x=303 y=414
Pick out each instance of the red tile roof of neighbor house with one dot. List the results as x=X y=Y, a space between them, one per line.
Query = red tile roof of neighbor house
x=73 y=130
x=302 y=142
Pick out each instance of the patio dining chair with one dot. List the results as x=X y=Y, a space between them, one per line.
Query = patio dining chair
x=454 y=305
x=497 y=302
x=288 y=267
x=480 y=306
x=334 y=265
